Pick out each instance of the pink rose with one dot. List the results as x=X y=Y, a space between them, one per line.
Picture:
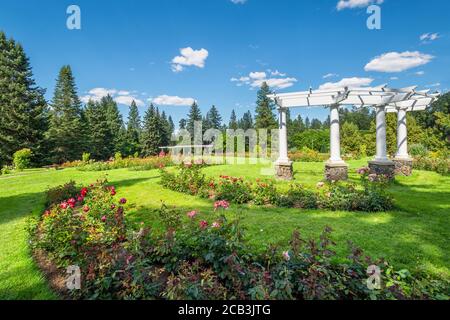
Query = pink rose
x=192 y=214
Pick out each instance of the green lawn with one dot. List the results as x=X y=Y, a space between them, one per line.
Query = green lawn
x=414 y=236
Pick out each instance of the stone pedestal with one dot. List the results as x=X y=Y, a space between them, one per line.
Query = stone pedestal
x=403 y=167
x=386 y=168
x=284 y=170
x=336 y=171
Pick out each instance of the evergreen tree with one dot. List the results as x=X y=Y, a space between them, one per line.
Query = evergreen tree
x=115 y=124
x=247 y=121
x=233 y=124
x=165 y=127
x=65 y=133
x=213 y=119
x=171 y=129
x=265 y=118
x=194 y=115
x=183 y=124
x=307 y=123
x=133 y=130
x=23 y=109
x=316 y=124
x=151 y=133
x=99 y=136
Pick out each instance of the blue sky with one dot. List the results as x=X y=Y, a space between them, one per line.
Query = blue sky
x=133 y=49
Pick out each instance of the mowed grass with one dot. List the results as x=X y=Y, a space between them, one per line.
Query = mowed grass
x=413 y=236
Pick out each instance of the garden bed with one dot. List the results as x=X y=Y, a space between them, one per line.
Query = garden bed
x=198 y=258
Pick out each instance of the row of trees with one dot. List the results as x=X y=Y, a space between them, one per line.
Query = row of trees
x=64 y=129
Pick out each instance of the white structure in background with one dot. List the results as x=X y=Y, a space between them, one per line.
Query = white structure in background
x=402 y=159
x=383 y=99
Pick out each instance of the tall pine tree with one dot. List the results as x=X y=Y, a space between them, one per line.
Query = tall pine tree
x=115 y=124
x=133 y=130
x=66 y=132
x=151 y=138
x=265 y=118
x=233 y=124
x=213 y=118
x=23 y=109
x=194 y=116
x=99 y=135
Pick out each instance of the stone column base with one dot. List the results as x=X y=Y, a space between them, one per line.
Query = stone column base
x=386 y=168
x=336 y=171
x=403 y=167
x=284 y=171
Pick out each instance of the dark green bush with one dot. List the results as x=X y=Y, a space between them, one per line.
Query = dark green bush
x=60 y=193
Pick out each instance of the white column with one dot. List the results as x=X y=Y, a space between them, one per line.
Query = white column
x=402 y=135
x=335 y=135
x=283 y=151
x=381 y=135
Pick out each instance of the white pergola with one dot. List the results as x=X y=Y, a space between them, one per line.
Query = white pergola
x=381 y=98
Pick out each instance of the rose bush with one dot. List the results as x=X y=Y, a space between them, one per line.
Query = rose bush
x=203 y=256
x=369 y=195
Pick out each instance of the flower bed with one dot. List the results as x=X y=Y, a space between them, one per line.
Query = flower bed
x=201 y=256
x=439 y=165
x=369 y=195
x=138 y=164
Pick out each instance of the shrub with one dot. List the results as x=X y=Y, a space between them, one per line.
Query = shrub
x=233 y=190
x=299 y=197
x=22 y=159
x=418 y=150
x=189 y=179
x=6 y=170
x=307 y=155
x=439 y=165
x=85 y=157
x=265 y=193
x=60 y=193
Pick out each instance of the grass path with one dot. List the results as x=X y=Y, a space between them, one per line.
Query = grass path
x=414 y=236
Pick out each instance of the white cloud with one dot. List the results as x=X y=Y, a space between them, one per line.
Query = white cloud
x=239 y=1
x=258 y=75
x=277 y=80
x=420 y=73
x=189 y=57
x=352 y=4
x=398 y=62
x=277 y=73
x=393 y=78
x=330 y=75
x=433 y=85
x=347 y=82
x=166 y=100
x=428 y=37
x=120 y=96
x=127 y=100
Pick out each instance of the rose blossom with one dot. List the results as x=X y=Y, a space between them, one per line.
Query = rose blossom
x=123 y=201
x=104 y=218
x=192 y=214
x=221 y=204
x=64 y=205
x=83 y=192
x=216 y=225
x=286 y=256
x=71 y=202
x=86 y=209
x=203 y=224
